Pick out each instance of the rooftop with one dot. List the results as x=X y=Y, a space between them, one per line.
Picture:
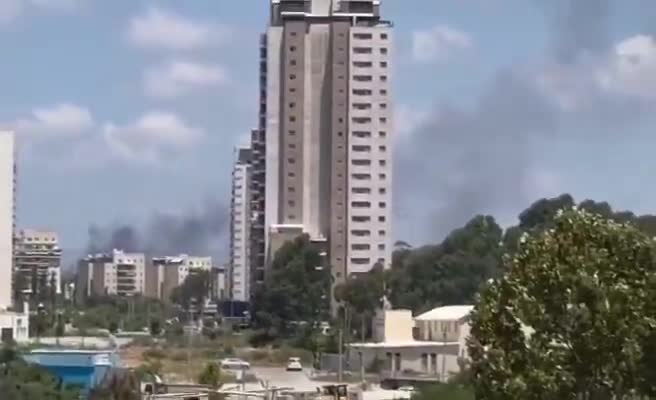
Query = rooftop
x=447 y=313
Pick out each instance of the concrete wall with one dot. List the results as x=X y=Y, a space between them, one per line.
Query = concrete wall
x=7 y=191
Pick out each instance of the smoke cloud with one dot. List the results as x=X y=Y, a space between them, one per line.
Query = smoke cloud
x=482 y=159
x=201 y=232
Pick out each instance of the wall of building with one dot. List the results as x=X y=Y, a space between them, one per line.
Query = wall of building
x=38 y=252
x=240 y=215
x=7 y=196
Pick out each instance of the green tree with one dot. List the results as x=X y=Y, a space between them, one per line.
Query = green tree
x=155 y=327
x=210 y=375
x=362 y=295
x=296 y=289
x=194 y=290
x=449 y=273
x=572 y=318
x=449 y=391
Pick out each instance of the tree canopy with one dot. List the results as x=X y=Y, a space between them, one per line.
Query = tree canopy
x=573 y=316
x=296 y=289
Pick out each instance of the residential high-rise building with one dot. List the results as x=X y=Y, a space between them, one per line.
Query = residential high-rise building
x=113 y=274
x=240 y=216
x=166 y=273
x=37 y=261
x=324 y=139
x=7 y=216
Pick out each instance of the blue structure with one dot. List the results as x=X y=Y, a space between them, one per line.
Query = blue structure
x=80 y=368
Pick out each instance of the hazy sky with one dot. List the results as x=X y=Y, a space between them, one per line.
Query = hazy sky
x=128 y=110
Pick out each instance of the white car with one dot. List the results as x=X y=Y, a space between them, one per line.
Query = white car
x=294 y=364
x=235 y=364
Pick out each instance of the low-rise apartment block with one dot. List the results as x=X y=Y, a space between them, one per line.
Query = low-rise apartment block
x=166 y=273
x=37 y=261
x=113 y=274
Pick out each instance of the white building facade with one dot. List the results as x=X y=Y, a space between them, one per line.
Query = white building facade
x=114 y=274
x=328 y=123
x=239 y=268
x=7 y=212
x=37 y=258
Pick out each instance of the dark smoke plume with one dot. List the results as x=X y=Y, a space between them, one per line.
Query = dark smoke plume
x=482 y=159
x=201 y=232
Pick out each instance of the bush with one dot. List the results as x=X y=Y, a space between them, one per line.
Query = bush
x=154 y=353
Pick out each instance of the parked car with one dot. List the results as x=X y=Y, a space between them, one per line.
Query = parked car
x=235 y=364
x=294 y=364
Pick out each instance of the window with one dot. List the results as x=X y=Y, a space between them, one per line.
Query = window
x=382 y=233
x=382 y=148
x=361 y=204
x=382 y=204
x=361 y=148
x=382 y=163
x=383 y=36
x=383 y=92
x=361 y=261
x=362 y=134
x=292 y=76
x=362 y=177
x=382 y=176
x=292 y=90
x=363 y=64
x=291 y=203
x=292 y=62
x=362 y=92
x=362 y=50
x=292 y=119
x=381 y=219
x=382 y=134
x=362 y=106
x=291 y=174
x=383 y=78
x=292 y=146
x=291 y=160
x=361 y=120
x=381 y=247
x=360 y=232
x=383 y=64
x=291 y=189
x=292 y=132
x=383 y=106
x=361 y=162
x=383 y=50
x=363 y=78
x=292 y=105
x=382 y=120
x=382 y=190
x=364 y=36
x=361 y=190
x=360 y=246
x=292 y=48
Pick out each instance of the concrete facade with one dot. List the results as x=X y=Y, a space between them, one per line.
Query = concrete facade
x=326 y=114
x=113 y=274
x=431 y=345
x=15 y=327
x=37 y=259
x=171 y=272
x=7 y=213
x=240 y=216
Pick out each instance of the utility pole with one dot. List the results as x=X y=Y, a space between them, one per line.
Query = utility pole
x=341 y=362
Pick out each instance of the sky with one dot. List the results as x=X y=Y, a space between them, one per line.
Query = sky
x=127 y=111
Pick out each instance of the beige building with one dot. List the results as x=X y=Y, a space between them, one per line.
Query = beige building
x=322 y=154
x=240 y=215
x=7 y=216
x=431 y=345
x=37 y=259
x=166 y=273
x=113 y=274
x=15 y=327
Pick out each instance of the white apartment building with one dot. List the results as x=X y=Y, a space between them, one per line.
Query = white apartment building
x=37 y=259
x=239 y=268
x=327 y=116
x=7 y=213
x=113 y=274
x=171 y=272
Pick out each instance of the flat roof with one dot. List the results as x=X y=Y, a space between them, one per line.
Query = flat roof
x=399 y=344
x=447 y=313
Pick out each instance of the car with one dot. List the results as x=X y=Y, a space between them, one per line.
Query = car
x=235 y=364
x=407 y=389
x=294 y=364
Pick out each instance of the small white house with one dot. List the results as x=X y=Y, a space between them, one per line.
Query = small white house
x=15 y=327
x=430 y=345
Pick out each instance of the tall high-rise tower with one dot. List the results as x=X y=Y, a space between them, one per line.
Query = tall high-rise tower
x=325 y=133
x=240 y=214
x=7 y=221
